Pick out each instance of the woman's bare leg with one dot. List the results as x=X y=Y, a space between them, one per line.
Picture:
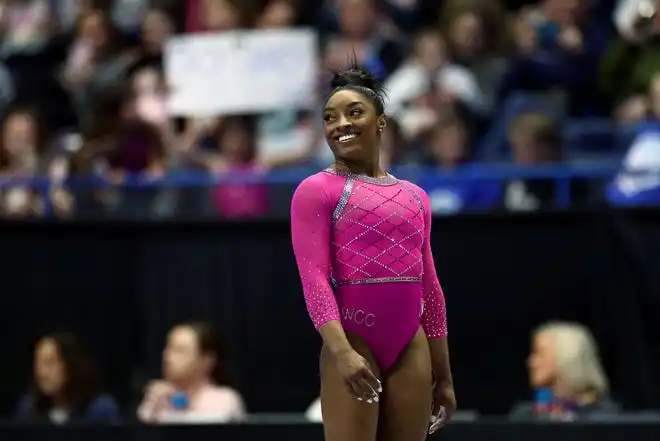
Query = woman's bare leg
x=407 y=394
x=344 y=417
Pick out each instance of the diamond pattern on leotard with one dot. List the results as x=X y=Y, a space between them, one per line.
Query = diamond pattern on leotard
x=378 y=234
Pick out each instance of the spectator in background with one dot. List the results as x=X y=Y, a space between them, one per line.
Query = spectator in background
x=277 y=14
x=477 y=36
x=448 y=147
x=157 y=26
x=214 y=15
x=126 y=14
x=535 y=140
x=27 y=25
x=196 y=386
x=565 y=368
x=428 y=69
x=362 y=31
x=67 y=385
x=121 y=139
x=121 y=133
x=95 y=59
x=632 y=60
x=558 y=47
x=639 y=181
x=229 y=148
x=26 y=152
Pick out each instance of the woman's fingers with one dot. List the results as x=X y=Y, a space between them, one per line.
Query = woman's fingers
x=370 y=385
x=354 y=389
x=438 y=420
x=373 y=381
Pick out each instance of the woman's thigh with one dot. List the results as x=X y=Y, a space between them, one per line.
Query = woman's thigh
x=407 y=394
x=344 y=417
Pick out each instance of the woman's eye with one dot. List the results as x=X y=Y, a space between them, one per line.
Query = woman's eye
x=356 y=112
x=327 y=118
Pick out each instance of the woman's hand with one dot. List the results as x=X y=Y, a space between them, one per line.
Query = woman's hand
x=158 y=392
x=156 y=396
x=444 y=405
x=358 y=376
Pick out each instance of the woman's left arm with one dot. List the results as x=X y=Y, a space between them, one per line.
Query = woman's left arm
x=434 y=314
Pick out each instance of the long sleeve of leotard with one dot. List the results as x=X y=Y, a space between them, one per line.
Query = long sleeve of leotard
x=311 y=214
x=434 y=317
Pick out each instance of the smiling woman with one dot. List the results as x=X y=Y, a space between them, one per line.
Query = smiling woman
x=361 y=241
x=354 y=119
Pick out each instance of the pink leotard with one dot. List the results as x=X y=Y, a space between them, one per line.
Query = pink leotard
x=363 y=250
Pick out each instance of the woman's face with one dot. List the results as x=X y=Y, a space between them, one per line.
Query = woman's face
x=430 y=52
x=467 y=34
x=357 y=17
x=542 y=361
x=49 y=369
x=565 y=12
x=93 y=29
x=19 y=133
x=181 y=357
x=351 y=126
x=449 y=144
x=220 y=15
x=156 y=28
x=236 y=139
x=278 y=14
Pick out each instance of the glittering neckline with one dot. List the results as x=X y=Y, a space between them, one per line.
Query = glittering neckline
x=385 y=180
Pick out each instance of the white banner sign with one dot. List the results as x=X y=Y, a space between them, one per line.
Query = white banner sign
x=241 y=72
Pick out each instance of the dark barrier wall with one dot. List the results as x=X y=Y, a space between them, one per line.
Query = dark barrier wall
x=123 y=285
x=456 y=432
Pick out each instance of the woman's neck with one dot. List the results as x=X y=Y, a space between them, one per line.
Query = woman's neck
x=371 y=169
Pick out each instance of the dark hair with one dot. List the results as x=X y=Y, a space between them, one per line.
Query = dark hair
x=114 y=43
x=210 y=344
x=247 y=124
x=82 y=382
x=359 y=80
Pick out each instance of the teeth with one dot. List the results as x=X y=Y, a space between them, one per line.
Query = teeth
x=345 y=138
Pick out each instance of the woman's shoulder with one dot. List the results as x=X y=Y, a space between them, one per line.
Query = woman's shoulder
x=226 y=392
x=226 y=399
x=321 y=186
x=419 y=191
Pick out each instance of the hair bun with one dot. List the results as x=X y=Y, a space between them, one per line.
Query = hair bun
x=356 y=76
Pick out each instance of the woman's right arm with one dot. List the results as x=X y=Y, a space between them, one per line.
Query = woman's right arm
x=311 y=214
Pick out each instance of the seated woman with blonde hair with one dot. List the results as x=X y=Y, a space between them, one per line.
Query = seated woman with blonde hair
x=566 y=372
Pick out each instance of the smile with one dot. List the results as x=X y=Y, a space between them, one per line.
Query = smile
x=347 y=138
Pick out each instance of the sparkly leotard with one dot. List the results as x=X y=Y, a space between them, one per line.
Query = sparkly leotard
x=363 y=252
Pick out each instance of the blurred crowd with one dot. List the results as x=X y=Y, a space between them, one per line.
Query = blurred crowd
x=567 y=379
x=83 y=91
